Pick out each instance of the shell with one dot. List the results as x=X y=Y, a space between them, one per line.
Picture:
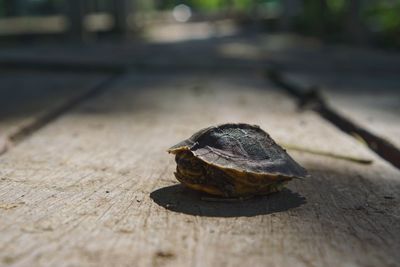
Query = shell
x=234 y=160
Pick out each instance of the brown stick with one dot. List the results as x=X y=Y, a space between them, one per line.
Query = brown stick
x=312 y=99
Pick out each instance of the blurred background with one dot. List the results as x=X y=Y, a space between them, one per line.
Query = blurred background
x=362 y=22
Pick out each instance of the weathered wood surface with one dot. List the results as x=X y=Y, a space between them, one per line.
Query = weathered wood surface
x=27 y=96
x=371 y=101
x=204 y=46
x=359 y=83
x=212 y=46
x=96 y=187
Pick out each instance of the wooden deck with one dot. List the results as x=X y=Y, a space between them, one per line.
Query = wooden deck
x=91 y=184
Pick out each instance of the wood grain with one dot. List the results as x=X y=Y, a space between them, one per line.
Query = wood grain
x=96 y=187
x=372 y=101
x=27 y=96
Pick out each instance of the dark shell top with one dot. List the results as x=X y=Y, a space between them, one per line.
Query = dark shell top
x=241 y=147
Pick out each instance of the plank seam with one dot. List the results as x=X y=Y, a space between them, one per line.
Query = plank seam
x=29 y=129
x=311 y=98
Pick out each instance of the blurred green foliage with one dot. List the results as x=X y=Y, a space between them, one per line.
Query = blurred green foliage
x=29 y=7
x=383 y=19
x=378 y=21
x=210 y=5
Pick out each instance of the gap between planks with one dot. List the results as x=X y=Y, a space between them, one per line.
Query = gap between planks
x=311 y=98
x=42 y=120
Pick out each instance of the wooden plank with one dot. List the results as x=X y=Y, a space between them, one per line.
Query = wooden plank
x=75 y=12
x=372 y=101
x=189 y=46
x=51 y=24
x=27 y=96
x=121 y=10
x=94 y=188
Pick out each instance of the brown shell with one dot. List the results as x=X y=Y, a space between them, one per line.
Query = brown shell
x=243 y=148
